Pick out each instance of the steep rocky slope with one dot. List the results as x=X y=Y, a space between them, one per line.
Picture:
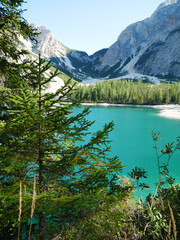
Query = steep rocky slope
x=150 y=47
x=141 y=42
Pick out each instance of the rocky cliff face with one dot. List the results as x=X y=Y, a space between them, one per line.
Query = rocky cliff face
x=162 y=58
x=47 y=45
x=149 y=47
x=140 y=40
x=65 y=59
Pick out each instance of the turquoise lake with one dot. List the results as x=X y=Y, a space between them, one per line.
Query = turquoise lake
x=132 y=140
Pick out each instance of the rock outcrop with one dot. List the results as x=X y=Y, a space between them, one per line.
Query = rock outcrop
x=152 y=38
x=149 y=47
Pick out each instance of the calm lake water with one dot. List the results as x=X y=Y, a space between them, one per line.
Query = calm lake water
x=132 y=140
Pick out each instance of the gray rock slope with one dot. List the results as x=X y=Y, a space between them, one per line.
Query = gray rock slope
x=47 y=45
x=149 y=47
x=65 y=59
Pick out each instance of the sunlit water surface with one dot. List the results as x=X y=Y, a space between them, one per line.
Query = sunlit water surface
x=132 y=140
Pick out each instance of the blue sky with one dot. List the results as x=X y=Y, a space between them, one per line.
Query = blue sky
x=88 y=25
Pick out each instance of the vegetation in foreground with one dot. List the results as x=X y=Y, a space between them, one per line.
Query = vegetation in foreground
x=53 y=188
x=128 y=92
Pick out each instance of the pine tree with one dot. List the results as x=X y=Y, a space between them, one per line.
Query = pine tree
x=46 y=139
x=12 y=26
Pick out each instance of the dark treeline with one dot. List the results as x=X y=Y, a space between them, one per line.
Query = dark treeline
x=128 y=92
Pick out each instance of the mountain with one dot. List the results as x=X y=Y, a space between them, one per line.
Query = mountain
x=67 y=60
x=47 y=45
x=149 y=47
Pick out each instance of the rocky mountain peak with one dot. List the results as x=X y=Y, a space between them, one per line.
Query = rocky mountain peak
x=43 y=28
x=149 y=47
x=139 y=38
x=47 y=45
x=168 y=2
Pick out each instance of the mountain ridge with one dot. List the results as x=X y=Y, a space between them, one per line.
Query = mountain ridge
x=145 y=47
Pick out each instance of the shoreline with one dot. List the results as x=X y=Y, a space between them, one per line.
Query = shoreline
x=169 y=110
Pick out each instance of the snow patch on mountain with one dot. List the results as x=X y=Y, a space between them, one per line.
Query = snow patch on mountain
x=68 y=63
x=90 y=80
x=55 y=85
x=136 y=76
x=167 y=3
x=27 y=45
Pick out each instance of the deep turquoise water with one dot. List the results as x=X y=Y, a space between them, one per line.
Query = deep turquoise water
x=132 y=140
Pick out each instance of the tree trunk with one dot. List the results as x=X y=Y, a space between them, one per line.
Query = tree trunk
x=40 y=161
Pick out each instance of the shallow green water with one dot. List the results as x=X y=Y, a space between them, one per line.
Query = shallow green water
x=132 y=140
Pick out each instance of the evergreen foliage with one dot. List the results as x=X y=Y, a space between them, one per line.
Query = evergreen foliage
x=127 y=92
x=156 y=217
x=39 y=138
x=53 y=184
x=12 y=25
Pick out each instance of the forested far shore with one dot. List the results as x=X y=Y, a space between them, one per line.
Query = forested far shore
x=128 y=92
x=59 y=175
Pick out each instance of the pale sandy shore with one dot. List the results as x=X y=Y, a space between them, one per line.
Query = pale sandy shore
x=168 y=111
